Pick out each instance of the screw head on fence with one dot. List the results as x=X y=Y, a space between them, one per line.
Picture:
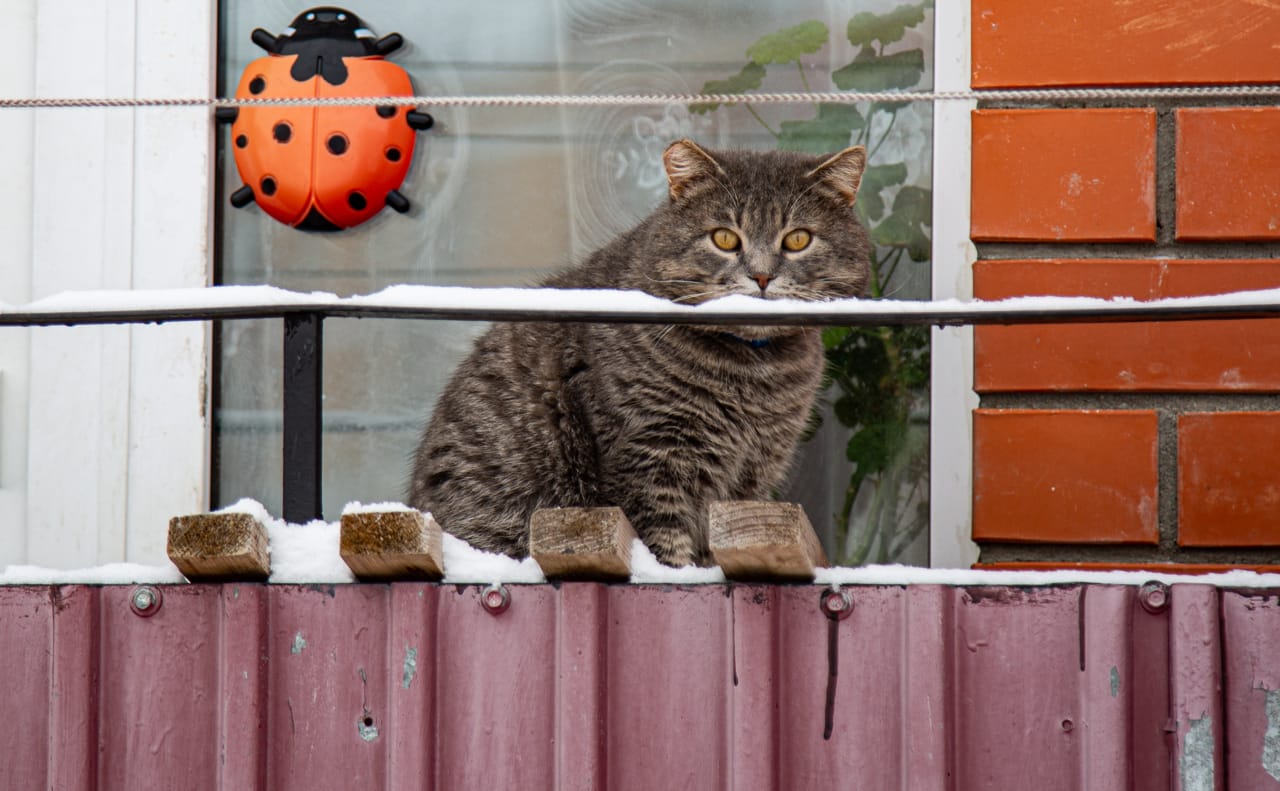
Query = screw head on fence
x=836 y=604
x=496 y=599
x=145 y=601
x=1154 y=596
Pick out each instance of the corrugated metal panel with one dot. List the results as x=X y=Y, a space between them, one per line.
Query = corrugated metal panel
x=417 y=686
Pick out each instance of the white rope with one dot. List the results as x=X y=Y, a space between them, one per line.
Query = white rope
x=1034 y=96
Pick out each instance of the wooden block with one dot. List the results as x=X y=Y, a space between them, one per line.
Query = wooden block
x=761 y=541
x=221 y=546
x=582 y=543
x=392 y=545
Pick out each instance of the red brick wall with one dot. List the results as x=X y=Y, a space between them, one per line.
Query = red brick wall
x=1127 y=444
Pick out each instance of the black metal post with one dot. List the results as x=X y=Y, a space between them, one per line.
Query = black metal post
x=303 y=358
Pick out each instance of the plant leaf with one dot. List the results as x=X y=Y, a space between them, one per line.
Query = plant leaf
x=886 y=28
x=874 y=180
x=870 y=72
x=828 y=132
x=834 y=336
x=875 y=445
x=750 y=78
x=788 y=45
x=904 y=227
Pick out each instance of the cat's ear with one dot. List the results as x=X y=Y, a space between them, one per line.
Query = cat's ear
x=687 y=166
x=843 y=172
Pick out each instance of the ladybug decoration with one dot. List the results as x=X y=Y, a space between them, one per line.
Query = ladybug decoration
x=323 y=168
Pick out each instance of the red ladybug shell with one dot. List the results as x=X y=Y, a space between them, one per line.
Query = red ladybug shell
x=338 y=162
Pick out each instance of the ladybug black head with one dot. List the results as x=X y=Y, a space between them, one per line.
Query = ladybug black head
x=329 y=23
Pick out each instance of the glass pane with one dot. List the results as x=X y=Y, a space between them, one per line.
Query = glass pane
x=504 y=196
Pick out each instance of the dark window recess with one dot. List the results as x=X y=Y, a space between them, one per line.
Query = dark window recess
x=337 y=145
x=282 y=132
x=357 y=201
x=268 y=186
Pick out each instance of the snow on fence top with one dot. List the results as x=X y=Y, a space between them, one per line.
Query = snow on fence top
x=602 y=305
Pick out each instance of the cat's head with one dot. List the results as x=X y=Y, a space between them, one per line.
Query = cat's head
x=767 y=224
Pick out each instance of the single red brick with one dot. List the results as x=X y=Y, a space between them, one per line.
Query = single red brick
x=1064 y=476
x=1203 y=356
x=1229 y=479
x=1136 y=42
x=1228 y=172
x=1063 y=175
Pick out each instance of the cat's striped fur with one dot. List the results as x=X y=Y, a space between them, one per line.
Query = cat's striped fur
x=659 y=420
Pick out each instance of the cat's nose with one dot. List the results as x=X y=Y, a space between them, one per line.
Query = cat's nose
x=763 y=280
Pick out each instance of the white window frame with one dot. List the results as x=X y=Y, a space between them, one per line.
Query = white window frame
x=952 y=398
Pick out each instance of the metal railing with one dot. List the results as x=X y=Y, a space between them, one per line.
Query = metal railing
x=303 y=318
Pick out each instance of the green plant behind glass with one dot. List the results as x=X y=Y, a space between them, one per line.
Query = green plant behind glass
x=879 y=375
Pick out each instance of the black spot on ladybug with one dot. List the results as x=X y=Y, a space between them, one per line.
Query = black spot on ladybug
x=386 y=111
x=357 y=201
x=241 y=141
x=337 y=145
x=257 y=85
x=282 y=132
x=393 y=154
x=268 y=186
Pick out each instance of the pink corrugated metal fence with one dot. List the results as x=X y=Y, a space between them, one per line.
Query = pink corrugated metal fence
x=417 y=686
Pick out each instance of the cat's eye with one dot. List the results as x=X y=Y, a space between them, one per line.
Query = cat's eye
x=797 y=240
x=725 y=239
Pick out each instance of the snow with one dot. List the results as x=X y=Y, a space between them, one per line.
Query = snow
x=375 y=508
x=465 y=563
x=442 y=300
x=110 y=574
x=305 y=553
x=308 y=554
x=911 y=575
x=645 y=568
x=171 y=299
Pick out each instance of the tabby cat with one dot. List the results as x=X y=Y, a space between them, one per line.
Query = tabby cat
x=659 y=420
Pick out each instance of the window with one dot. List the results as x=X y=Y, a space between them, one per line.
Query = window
x=503 y=196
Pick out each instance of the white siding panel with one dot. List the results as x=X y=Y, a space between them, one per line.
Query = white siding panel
x=117 y=427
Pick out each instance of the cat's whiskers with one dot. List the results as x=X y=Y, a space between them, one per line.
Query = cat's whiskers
x=663 y=333
x=715 y=292
x=733 y=194
x=673 y=281
x=792 y=204
x=898 y=289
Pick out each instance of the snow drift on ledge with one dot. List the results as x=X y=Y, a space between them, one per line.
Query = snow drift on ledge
x=308 y=553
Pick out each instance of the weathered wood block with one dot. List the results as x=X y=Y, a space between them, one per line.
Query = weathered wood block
x=221 y=546
x=761 y=541
x=392 y=545
x=582 y=543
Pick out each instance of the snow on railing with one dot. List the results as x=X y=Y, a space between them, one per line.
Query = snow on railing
x=609 y=306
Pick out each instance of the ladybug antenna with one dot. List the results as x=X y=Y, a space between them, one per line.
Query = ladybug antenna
x=263 y=39
x=388 y=43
